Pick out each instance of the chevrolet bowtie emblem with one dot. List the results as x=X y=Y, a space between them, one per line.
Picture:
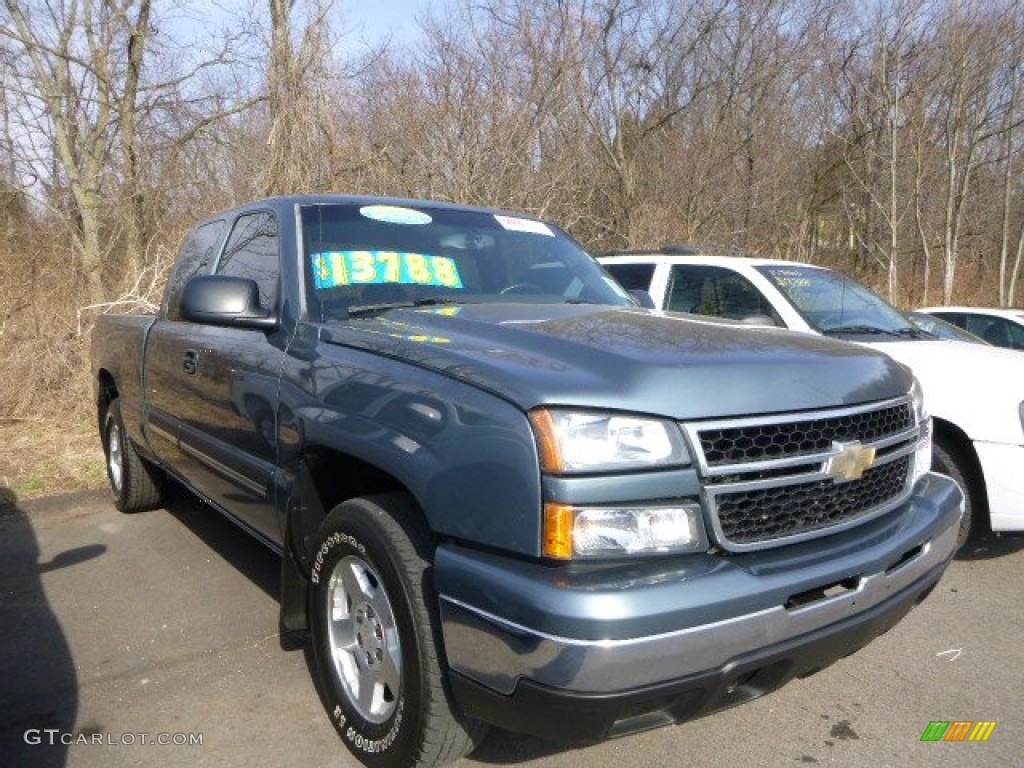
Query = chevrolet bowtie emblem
x=849 y=461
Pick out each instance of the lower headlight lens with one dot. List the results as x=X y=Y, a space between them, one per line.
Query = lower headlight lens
x=597 y=532
x=923 y=452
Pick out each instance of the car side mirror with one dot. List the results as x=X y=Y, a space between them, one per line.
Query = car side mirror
x=225 y=300
x=643 y=298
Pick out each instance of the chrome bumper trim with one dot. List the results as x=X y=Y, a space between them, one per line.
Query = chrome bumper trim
x=497 y=652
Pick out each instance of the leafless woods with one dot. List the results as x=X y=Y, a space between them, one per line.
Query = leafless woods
x=884 y=138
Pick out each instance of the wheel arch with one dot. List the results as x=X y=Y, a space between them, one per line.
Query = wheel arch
x=317 y=487
x=106 y=393
x=321 y=486
x=956 y=442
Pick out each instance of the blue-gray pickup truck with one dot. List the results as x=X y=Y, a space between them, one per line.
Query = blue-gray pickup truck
x=503 y=491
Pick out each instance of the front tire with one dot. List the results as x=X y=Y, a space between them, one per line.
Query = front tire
x=376 y=637
x=945 y=461
x=134 y=484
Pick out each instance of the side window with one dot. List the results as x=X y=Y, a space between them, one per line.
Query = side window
x=956 y=318
x=1016 y=336
x=632 y=277
x=197 y=251
x=985 y=327
x=251 y=252
x=703 y=290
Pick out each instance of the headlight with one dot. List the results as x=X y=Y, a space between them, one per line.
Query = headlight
x=923 y=453
x=596 y=532
x=582 y=441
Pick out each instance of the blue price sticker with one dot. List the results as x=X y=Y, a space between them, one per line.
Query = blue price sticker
x=336 y=268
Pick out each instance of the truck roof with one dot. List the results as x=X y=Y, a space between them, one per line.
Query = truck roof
x=683 y=254
x=280 y=202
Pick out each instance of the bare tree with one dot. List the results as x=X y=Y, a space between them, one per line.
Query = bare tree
x=69 y=48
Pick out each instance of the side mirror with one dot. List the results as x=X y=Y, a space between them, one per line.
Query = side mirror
x=225 y=300
x=643 y=298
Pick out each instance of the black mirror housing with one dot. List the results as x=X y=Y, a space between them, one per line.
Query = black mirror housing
x=225 y=300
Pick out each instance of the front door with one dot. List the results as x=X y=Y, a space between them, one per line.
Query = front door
x=233 y=436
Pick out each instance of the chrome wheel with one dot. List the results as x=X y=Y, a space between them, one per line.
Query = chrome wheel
x=115 y=459
x=365 y=649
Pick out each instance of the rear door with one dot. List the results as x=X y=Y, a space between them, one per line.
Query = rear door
x=231 y=430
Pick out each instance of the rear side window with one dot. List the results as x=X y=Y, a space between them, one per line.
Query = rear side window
x=251 y=252
x=197 y=251
x=632 y=277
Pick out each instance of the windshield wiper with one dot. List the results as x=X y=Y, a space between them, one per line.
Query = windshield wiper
x=912 y=332
x=858 y=330
x=361 y=310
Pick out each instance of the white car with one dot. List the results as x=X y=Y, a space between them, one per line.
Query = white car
x=1001 y=327
x=975 y=392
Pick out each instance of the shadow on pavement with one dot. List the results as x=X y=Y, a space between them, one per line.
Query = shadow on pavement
x=990 y=545
x=505 y=748
x=245 y=553
x=38 y=684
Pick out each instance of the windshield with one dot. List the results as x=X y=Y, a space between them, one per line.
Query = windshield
x=367 y=258
x=835 y=304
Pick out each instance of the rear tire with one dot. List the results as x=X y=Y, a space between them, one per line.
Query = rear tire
x=376 y=637
x=134 y=483
x=946 y=461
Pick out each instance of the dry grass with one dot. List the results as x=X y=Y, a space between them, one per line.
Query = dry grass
x=44 y=457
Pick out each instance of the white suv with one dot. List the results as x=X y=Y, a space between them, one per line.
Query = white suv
x=974 y=392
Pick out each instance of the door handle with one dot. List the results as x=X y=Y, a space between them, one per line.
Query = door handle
x=191 y=362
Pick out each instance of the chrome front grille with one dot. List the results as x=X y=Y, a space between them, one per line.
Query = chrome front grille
x=778 y=479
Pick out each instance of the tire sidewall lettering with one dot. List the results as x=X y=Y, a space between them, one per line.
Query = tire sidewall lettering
x=376 y=746
x=332 y=541
x=348 y=726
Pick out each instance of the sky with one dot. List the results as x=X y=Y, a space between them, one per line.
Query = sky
x=377 y=18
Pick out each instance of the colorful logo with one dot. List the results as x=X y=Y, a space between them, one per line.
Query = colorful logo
x=958 y=730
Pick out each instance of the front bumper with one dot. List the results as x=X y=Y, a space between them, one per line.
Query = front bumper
x=624 y=648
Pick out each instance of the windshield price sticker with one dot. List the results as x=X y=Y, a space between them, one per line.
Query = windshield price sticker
x=336 y=268
x=790 y=278
x=515 y=224
x=393 y=214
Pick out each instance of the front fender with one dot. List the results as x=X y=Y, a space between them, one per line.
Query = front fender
x=467 y=456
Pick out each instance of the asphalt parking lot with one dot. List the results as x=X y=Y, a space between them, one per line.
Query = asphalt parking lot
x=162 y=627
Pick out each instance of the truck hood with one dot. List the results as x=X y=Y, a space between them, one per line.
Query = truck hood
x=978 y=387
x=625 y=359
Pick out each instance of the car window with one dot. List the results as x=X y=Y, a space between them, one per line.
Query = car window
x=958 y=319
x=197 y=251
x=994 y=330
x=1016 y=334
x=705 y=290
x=986 y=327
x=632 y=277
x=251 y=252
